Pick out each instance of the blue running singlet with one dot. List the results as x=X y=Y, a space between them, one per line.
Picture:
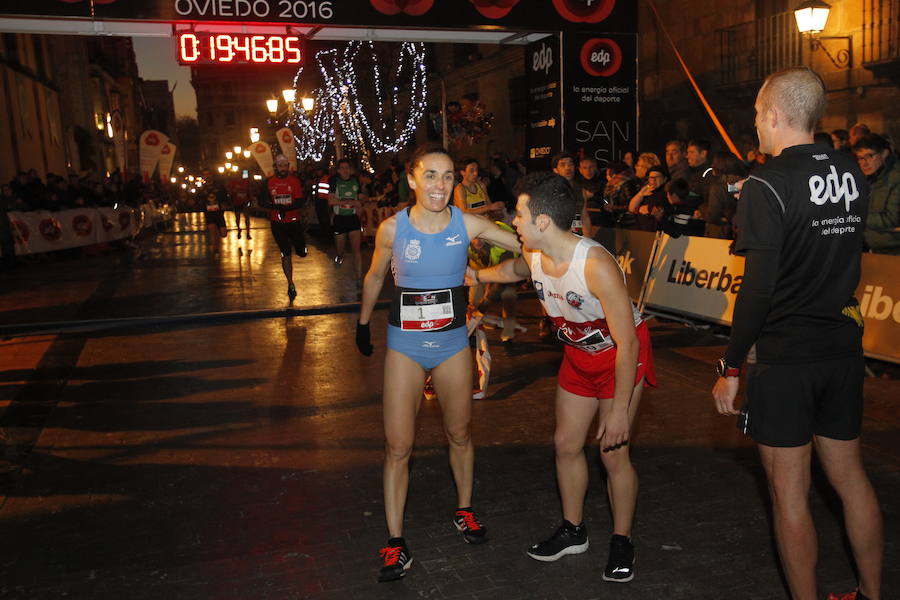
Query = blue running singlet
x=427 y=319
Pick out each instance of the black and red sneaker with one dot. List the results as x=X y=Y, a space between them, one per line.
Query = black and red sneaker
x=396 y=560
x=855 y=595
x=468 y=524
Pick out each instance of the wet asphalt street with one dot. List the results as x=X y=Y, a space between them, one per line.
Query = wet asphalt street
x=172 y=428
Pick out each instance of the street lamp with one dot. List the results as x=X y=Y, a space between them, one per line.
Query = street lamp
x=229 y=155
x=254 y=135
x=221 y=169
x=308 y=103
x=247 y=152
x=811 y=16
x=289 y=95
x=272 y=105
x=181 y=169
x=237 y=150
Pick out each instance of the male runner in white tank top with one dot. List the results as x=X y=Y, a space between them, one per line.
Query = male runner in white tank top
x=607 y=361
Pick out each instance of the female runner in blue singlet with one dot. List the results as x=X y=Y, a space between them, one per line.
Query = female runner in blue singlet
x=426 y=245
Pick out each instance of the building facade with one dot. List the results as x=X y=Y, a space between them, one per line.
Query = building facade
x=31 y=131
x=231 y=100
x=731 y=47
x=159 y=107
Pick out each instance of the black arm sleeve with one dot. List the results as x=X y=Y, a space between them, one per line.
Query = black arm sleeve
x=264 y=197
x=300 y=201
x=752 y=304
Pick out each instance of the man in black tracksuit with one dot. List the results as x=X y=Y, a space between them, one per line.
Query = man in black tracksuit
x=800 y=221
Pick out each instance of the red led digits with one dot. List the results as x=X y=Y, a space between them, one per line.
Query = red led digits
x=189 y=48
x=224 y=46
x=292 y=49
x=238 y=48
x=241 y=45
x=276 y=49
x=260 y=54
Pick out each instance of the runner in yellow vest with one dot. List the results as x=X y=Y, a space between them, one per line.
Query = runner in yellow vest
x=470 y=195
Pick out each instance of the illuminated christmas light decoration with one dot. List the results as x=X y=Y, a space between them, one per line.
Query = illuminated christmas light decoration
x=339 y=101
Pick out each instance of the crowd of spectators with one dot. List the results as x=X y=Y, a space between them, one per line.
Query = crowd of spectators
x=695 y=191
x=27 y=192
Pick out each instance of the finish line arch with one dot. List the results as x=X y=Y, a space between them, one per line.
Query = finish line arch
x=581 y=56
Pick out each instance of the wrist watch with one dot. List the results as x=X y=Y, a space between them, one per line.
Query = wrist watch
x=725 y=370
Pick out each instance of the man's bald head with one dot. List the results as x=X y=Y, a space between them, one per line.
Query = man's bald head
x=798 y=94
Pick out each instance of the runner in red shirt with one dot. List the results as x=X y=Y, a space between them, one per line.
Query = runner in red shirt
x=239 y=189
x=285 y=199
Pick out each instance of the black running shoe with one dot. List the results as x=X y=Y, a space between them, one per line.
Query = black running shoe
x=620 y=567
x=568 y=539
x=292 y=292
x=396 y=560
x=468 y=524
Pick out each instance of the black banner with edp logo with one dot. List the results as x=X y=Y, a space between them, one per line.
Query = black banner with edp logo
x=600 y=95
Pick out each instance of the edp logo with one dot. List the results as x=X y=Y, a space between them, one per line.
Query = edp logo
x=542 y=60
x=833 y=188
x=601 y=57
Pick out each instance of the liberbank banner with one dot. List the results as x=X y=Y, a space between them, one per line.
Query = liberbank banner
x=879 y=300
x=533 y=15
x=696 y=277
x=633 y=251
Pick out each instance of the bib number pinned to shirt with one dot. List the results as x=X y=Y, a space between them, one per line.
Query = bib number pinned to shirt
x=426 y=311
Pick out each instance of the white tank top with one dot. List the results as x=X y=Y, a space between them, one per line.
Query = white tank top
x=575 y=312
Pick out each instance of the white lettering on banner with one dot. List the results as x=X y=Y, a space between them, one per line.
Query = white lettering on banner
x=879 y=306
x=601 y=56
x=299 y=9
x=688 y=275
x=542 y=60
x=625 y=261
x=833 y=188
x=613 y=133
x=222 y=8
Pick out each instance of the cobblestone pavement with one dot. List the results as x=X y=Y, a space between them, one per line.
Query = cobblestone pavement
x=241 y=457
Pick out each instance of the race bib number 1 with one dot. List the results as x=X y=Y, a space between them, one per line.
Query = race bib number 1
x=426 y=311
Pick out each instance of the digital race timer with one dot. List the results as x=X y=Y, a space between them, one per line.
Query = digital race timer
x=202 y=48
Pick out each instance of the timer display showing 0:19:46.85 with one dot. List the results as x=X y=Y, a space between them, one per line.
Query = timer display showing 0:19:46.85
x=238 y=48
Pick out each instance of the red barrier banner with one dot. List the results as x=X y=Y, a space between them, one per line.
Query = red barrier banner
x=372 y=215
x=45 y=231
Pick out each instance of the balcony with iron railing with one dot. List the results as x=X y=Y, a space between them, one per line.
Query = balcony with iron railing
x=748 y=52
x=881 y=37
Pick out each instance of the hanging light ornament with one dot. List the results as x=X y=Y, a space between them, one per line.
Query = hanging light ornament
x=339 y=99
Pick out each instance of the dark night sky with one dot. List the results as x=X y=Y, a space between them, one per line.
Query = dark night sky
x=156 y=60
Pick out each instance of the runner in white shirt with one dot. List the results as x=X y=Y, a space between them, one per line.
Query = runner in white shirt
x=607 y=361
